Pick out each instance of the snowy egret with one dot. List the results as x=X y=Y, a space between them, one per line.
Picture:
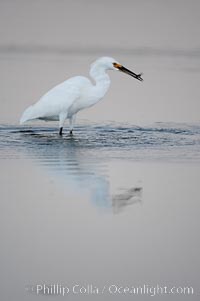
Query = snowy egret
x=65 y=100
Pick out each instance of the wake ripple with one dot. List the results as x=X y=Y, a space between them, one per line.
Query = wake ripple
x=162 y=141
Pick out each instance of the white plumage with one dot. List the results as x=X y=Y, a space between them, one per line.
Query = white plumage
x=66 y=99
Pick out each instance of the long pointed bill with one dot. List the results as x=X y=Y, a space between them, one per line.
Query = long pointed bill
x=137 y=76
x=123 y=69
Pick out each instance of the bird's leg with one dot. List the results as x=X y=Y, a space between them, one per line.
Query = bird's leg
x=60 y=131
x=71 y=123
x=62 y=118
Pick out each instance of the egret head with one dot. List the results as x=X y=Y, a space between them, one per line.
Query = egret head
x=109 y=63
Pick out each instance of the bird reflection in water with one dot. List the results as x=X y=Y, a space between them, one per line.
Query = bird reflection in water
x=127 y=197
x=76 y=166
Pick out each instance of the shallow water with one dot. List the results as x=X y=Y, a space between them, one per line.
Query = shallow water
x=160 y=141
x=114 y=204
x=82 y=160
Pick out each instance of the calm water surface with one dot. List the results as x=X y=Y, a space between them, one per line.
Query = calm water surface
x=114 y=204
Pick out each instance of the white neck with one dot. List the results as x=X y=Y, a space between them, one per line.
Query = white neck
x=102 y=81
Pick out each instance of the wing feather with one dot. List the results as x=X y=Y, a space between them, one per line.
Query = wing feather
x=56 y=100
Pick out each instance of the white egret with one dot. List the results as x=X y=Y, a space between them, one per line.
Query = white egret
x=77 y=93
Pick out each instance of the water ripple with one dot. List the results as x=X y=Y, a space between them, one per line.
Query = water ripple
x=161 y=141
x=81 y=162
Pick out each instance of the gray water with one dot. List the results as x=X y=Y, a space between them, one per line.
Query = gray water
x=160 y=141
x=82 y=158
x=114 y=205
